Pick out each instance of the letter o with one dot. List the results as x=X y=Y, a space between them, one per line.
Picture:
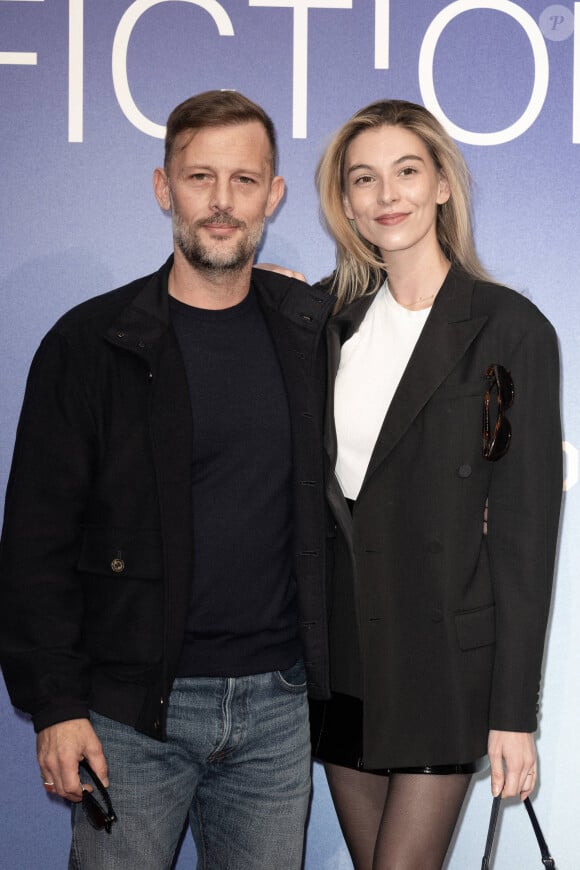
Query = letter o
x=121 y=44
x=541 y=64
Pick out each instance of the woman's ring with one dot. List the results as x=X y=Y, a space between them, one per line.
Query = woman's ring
x=49 y=785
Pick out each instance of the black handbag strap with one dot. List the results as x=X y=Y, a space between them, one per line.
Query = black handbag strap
x=491 y=832
x=547 y=859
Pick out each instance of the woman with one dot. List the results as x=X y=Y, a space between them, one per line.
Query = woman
x=443 y=406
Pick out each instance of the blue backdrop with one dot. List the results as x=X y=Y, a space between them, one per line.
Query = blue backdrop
x=85 y=89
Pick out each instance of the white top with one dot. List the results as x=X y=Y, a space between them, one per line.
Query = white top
x=372 y=363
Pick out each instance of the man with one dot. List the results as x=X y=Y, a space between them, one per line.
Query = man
x=163 y=546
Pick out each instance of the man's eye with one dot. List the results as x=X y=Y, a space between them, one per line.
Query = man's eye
x=244 y=179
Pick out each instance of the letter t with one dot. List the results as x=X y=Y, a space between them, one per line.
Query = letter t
x=300 y=53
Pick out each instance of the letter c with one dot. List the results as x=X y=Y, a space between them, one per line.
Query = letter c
x=120 y=46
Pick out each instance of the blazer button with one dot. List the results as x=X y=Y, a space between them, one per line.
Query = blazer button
x=434 y=548
x=118 y=566
x=464 y=470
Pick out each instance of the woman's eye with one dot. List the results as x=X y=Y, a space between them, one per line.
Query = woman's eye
x=408 y=170
x=363 y=179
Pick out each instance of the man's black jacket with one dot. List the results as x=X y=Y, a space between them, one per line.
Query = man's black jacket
x=95 y=560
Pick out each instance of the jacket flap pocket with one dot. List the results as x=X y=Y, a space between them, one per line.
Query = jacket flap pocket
x=121 y=553
x=462 y=389
x=476 y=627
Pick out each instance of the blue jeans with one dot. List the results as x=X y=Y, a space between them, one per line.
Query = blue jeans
x=236 y=764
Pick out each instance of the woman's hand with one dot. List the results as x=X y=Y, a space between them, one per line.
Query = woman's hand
x=513 y=760
x=273 y=267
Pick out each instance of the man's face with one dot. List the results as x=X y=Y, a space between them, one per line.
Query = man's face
x=219 y=188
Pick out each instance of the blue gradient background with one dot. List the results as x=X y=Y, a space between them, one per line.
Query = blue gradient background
x=80 y=218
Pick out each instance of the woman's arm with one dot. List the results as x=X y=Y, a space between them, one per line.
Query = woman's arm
x=524 y=506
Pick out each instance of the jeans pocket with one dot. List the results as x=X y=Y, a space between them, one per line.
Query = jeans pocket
x=293 y=679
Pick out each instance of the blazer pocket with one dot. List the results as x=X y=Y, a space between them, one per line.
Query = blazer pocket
x=121 y=553
x=449 y=390
x=476 y=628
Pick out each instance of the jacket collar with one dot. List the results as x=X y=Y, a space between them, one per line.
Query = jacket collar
x=142 y=323
x=304 y=305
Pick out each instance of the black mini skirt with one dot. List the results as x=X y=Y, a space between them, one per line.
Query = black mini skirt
x=336 y=734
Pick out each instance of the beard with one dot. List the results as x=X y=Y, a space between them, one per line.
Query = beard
x=210 y=258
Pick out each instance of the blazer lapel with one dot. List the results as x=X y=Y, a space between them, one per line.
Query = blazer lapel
x=340 y=328
x=446 y=336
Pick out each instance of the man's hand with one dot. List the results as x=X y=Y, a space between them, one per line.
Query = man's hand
x=513 y=763
x=59 y=749
x=273 y=267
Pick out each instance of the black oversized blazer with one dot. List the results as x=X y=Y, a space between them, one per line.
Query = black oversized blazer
x=95 y=560
x=451 y=622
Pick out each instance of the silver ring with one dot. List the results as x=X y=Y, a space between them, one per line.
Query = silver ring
x=49 y=784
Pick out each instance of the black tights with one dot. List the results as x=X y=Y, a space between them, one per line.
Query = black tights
x=404 y=821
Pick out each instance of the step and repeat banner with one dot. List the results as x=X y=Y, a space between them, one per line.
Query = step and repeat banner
x=85 y=89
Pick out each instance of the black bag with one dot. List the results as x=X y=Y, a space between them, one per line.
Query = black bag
x=547 y=859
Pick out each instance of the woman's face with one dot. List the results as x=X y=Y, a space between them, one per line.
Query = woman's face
x=392 y=190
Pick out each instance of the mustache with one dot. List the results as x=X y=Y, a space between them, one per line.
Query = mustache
x=220 y=219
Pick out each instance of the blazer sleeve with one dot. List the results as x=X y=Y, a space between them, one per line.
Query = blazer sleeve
x=524 y=508
x=41 y=604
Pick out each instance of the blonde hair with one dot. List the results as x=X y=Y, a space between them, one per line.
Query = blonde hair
x=359 y=267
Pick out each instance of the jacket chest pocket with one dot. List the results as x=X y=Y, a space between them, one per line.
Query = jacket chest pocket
x=454 y=420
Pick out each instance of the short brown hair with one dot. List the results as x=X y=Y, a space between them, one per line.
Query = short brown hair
x=217 y=109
